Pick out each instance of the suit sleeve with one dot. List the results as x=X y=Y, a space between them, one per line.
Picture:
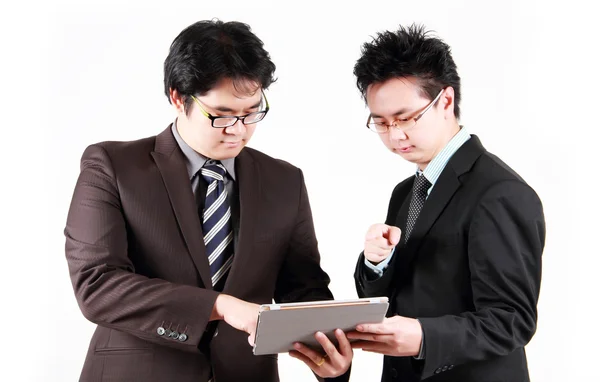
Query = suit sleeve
x=301 y=277
x=107 y=289
x=506 y=240
x=368 y=283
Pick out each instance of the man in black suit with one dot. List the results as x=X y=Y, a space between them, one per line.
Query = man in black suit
x=460 y=253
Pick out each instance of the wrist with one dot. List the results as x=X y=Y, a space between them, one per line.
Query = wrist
x=374 y=262
x=377 y=260
x=222 y=307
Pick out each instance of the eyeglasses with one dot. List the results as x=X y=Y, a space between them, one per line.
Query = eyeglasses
x=403 y=124
x=230 y=120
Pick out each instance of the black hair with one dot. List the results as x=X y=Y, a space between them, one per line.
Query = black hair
x=211 y=50
x=408 y=52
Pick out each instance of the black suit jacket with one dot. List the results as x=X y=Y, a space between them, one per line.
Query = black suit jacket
x=137 y=262
x=470 y=272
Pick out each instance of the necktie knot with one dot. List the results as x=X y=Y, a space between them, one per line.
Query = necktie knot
x=421 y=185
x=213 y=171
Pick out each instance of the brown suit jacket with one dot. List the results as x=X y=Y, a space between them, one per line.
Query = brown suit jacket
x=137 y=262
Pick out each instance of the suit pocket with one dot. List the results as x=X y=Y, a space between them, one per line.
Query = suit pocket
x=117 y=351
x=126 y=364
x=119 y=340
x=265 y=236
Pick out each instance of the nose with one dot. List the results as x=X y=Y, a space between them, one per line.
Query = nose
x=237 y=128
x=396 y=134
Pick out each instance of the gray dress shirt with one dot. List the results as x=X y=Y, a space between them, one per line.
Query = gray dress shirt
x=194 y=162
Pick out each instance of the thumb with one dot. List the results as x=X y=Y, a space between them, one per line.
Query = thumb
x=393 y=235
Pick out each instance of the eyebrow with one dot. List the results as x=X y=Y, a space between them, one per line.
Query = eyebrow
x=226 y=109
x=401 y=111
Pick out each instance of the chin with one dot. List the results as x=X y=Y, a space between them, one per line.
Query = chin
x=410 y=157
x=227 y=153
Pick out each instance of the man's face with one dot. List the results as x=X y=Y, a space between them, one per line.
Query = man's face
x=222 y=100
x=401 y=98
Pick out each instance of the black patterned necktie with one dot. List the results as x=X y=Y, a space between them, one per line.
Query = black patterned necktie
x=216 y=222
x=419 y=194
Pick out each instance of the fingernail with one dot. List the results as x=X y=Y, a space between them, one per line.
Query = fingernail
x=297 y=345
x=359 y=328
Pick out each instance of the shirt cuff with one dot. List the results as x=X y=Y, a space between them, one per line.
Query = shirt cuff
x=379 y=268
x=422 y=351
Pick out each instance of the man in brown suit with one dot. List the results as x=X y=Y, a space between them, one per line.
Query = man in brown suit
x=172 y=241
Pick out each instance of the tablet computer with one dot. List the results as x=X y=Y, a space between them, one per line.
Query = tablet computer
x=281 y=325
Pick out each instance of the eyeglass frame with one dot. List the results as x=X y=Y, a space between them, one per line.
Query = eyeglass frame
x=237 y=118
x=415 y=119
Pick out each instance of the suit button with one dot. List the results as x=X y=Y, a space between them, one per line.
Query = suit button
x=438 y=370
x=168 y=332
x=183 y=337
x=174 y=334
x=394 y=373
x=444 y=368
x=450 y=367
x=160 y=331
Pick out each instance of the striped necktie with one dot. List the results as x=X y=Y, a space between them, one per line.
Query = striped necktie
x=216 y=223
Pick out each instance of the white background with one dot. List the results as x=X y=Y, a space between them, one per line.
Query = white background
x=74 y=73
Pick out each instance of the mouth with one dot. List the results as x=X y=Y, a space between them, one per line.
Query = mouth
x=405 y=149
x=232 y=144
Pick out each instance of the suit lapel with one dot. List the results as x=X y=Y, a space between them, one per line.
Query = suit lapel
x=442 y=192
x=248 y=181
x=171 y=164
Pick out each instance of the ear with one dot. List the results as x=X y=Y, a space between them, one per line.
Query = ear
x=177 y=101
x=447 y=102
